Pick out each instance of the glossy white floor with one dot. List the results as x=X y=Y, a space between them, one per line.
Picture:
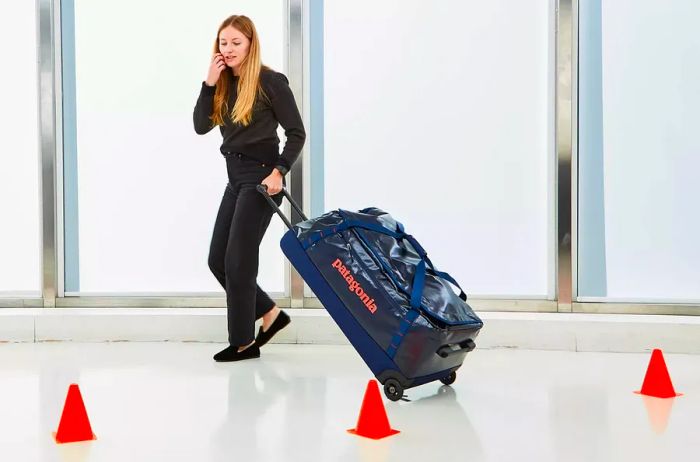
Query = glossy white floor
x=171 y=402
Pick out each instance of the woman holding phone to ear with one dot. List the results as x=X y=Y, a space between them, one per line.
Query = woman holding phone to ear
x=247 y=100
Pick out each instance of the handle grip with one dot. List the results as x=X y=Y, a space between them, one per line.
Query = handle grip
x=464 y=347
x=262 y=189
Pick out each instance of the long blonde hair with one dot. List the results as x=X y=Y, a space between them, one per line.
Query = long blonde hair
x=249 y=81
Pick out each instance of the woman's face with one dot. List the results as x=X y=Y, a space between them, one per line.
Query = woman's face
x=233 y=45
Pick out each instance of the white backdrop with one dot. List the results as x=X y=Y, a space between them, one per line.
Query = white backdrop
x=20 y=253
x=442 y=114
x=651 y=101
x=149 y=187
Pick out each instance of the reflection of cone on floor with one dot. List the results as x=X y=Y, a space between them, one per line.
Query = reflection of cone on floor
x=659 y=412
x=74 y=425
x=76 y=452
x=373 y=422
x=657 y=381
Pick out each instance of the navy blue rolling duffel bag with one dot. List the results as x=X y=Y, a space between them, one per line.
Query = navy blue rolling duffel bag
x=378 y=284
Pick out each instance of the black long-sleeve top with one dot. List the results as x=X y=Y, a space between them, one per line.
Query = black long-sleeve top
x=259 y=139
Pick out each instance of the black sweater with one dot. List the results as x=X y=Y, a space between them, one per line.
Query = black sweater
x=259 y=139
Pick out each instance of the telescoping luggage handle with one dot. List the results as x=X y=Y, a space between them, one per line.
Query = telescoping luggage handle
x=262 y=189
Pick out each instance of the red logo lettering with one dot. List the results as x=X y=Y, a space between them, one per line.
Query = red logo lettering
x=354 y=286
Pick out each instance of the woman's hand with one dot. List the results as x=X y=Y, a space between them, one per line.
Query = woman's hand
x=217 y=65
x=273 y=182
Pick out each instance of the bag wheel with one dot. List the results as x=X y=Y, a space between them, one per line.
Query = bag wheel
x=393 y=389
x=450 y=378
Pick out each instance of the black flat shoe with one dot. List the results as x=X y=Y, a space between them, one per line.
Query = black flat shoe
x=231 y=353
x=280 y=323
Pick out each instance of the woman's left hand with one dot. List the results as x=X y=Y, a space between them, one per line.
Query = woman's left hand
x=273 y=182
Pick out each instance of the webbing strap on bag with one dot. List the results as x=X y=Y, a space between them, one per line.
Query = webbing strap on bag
x=400 y=233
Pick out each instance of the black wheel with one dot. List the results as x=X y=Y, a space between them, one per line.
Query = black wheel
x=449 y=379
x=393 y=389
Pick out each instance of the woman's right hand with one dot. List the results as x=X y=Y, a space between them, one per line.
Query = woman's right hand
x=217 y=65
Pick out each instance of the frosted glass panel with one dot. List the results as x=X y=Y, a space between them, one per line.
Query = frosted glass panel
x=639 y=151
x=148 y=187
x=441 y=113
x=20 y=237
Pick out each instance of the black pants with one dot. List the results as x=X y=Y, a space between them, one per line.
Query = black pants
x=243 y=218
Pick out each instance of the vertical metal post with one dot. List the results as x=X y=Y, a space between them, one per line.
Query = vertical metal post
x=47 y=131
x=574 y=148
x=564 y=165
x=296 y=79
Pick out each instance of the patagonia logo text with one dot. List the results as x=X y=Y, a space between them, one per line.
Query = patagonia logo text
x=354 y=286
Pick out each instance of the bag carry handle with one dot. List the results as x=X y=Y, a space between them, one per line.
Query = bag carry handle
x=262 y=189
x=448 y=350
x=424 y=266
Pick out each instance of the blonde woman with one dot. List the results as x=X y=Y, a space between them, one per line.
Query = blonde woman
x=247 y=101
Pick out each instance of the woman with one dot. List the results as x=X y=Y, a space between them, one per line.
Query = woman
x=247 y=100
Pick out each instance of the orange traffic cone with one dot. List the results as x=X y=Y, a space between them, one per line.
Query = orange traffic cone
x=657 y=381
x=373 y=422
x=74 y=425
